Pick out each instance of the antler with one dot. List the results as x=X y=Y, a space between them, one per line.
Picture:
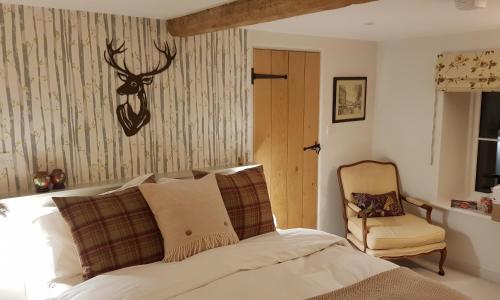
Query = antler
x=109 y=57
x=168 y=55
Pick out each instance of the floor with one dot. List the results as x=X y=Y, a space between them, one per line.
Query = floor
x=474 y=287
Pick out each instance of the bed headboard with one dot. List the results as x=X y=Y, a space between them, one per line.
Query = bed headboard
x=30 y=201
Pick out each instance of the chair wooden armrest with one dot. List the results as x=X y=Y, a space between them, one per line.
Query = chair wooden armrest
x=362 y=215
x=422 y=204
x=354 y=207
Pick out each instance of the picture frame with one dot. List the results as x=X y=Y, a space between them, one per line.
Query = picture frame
x=349 y=99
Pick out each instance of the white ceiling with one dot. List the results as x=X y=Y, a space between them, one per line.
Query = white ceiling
x=159 y=9
x=392 y=19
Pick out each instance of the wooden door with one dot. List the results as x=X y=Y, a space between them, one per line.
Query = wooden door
x=286 y=121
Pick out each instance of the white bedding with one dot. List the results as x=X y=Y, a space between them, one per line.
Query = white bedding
x=289 y=264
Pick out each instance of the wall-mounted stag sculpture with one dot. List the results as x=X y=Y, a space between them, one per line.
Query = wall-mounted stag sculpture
x=133 y=84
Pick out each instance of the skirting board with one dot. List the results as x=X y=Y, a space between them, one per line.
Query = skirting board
x=471 y=240
x=430 y=262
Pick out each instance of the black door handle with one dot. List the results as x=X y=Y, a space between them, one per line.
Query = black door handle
x=316 y=147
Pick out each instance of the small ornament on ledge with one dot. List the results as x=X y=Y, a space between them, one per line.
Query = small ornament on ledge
x=58 y=178
x=495 y=211
x=485 y=205
x=3 y=210
x=42 y=182
x=469 y=205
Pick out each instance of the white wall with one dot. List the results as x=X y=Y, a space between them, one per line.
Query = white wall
x=341 y=143
x=455 y=141
x=402 y=133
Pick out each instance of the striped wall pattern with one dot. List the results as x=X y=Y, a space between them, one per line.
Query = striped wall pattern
x=58 y=98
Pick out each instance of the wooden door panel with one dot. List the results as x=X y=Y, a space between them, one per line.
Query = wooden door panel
x=262 y=144
x=285 y=121
x=279 y=136
x=296 y=94
x=311 y=133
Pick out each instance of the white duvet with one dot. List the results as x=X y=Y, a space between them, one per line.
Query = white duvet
x=289 y=264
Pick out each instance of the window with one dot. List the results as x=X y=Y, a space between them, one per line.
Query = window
x=488 y=151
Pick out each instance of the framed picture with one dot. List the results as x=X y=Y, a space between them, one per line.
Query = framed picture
x=349 y=99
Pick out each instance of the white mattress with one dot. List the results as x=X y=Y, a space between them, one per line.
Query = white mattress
x=289 y=264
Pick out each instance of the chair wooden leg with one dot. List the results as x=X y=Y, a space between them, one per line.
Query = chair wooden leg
x=441 y=261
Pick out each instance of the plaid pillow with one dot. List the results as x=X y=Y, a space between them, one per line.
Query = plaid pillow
x=247 y=202
x=112 y=231
x=384 y=205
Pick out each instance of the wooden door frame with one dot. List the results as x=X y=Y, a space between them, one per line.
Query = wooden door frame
x=272 y=47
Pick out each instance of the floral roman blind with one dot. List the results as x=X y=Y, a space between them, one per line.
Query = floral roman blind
x=478 y=70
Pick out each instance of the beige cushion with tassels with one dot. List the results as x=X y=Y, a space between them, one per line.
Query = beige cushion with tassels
x=191 y=216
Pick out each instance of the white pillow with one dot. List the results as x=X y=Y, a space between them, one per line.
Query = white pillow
x=134 y=182
x=166 y=180
x=60 y=260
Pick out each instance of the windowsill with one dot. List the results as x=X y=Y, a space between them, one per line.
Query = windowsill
x=446 y=206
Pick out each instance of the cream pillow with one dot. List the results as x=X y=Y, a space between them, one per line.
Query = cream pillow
x=191 y=216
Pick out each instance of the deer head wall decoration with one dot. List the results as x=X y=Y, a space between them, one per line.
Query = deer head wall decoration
x=133 y=84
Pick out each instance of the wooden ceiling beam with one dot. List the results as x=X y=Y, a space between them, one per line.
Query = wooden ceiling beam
x=249 y=12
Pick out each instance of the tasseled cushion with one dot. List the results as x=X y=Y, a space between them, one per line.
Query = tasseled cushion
x=191 y=216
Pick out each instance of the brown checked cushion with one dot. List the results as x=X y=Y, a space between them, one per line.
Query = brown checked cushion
x=112 y=231
x=247 y=201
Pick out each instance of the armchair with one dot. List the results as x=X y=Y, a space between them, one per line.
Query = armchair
x=386 y=237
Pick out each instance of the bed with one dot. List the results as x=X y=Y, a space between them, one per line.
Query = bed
x=281 y=264
x=287 y=264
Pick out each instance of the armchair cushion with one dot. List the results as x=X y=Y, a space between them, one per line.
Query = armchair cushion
x=396 y=232
x=410 y=251
x=383 y=205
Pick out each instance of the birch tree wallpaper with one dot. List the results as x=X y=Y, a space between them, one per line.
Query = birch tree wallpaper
x=58 y=97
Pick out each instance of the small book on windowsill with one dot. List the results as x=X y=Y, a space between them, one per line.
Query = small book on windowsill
x=470 y=205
